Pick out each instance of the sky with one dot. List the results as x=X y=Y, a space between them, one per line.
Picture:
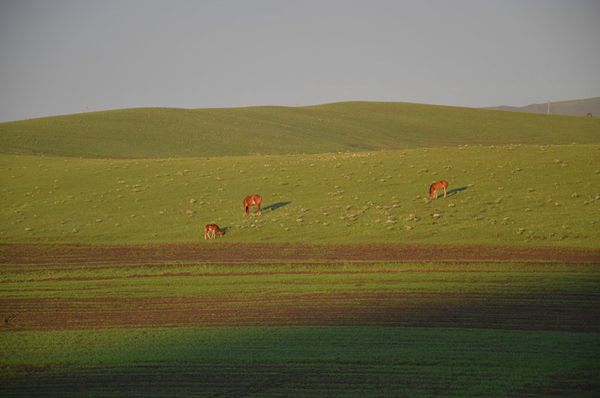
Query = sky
x=71 y=56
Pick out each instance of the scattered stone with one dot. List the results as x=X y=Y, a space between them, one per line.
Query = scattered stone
x=411 y=217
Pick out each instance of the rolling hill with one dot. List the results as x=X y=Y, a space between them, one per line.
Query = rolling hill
x=579 y=107
x=347 y=126
x=108 y=285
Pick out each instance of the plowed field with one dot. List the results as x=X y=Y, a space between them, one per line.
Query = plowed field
x=298 y=320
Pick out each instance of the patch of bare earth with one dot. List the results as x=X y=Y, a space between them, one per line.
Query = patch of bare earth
x=64 y=308
x=515 y=311
x=229 y=252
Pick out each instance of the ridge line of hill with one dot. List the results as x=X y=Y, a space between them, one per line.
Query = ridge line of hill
x=340 y=126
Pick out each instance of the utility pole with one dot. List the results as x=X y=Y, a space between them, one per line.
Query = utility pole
x=548 y=111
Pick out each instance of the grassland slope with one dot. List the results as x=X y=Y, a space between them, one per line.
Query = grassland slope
x=580 y=107
x=517 y=195
x=349 y=126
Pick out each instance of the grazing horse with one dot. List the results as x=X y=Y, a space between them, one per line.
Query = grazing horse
x=210 y=231
x=252 y=200
x=433 y=189
x=589 y=114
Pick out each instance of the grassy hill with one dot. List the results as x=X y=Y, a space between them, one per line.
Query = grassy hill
x=522 y=195
x=349 y=126
x=579 y=107
x=320 y=325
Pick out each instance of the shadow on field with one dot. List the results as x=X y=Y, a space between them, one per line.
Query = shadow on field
x=275 y=206
x=320 y=361
x=455 y=191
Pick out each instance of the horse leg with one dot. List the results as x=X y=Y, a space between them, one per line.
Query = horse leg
x=444 y=192
x=258 y=209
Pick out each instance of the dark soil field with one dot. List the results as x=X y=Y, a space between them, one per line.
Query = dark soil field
x=252 y=252
x=298 y=320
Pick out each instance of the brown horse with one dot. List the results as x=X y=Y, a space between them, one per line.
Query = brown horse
x=433 y=189
x=210 y=231
x=252 y=200
x=589 y=114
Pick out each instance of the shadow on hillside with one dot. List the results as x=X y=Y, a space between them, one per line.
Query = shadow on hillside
x=275 y=206
x=455 y=191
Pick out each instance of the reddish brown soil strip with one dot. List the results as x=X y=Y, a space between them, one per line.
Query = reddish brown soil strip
x=256 y=252
x=505 y=311
x=275 y=272
x=552 y=310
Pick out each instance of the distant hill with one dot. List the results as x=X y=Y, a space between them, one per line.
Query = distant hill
x=579 y=107
x=346 y=126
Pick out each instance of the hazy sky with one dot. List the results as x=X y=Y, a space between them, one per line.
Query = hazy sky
x=64 y=56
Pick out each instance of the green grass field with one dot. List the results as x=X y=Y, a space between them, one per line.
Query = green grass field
x=532 y=195
x=347 y=126
x=269 y=329
x=305 y=361
x=350 y=283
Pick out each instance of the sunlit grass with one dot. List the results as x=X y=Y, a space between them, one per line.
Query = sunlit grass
x=525 y=195
x=347 y=126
